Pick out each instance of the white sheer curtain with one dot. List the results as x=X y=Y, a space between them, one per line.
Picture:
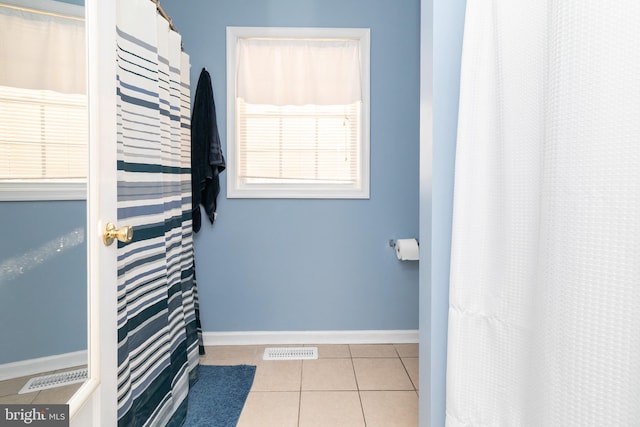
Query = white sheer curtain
x=544 y=319
x=296 y=72
x=42 y=51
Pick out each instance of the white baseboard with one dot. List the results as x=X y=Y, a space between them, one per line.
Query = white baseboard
x=311 y=337
x=42 y=364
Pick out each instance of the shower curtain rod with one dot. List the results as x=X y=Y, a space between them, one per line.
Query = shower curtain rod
x=41 y=12
x=161 y=11
x=164 y=14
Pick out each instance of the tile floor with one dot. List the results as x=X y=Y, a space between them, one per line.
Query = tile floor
x=9 y=391
x=348 y=385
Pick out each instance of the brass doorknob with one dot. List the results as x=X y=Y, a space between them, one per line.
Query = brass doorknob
x=111 y=232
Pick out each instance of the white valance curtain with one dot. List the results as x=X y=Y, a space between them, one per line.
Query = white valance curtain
x=42 y=51
x=545 y=265
x=295 y=72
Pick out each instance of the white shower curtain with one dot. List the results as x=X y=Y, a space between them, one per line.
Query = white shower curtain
x=544 y=316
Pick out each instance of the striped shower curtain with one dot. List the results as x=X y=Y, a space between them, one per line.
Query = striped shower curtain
x=158 y=325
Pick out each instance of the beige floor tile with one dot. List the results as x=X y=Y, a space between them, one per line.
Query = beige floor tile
x=330 y=409
x=12 y=386
x=57 y=394
x=373 y=350
x=407 y=350
x=328 y=374
x=278 y=375
x=338 y=351
x=247 y=360
x=270 y=409
x=230 y=351
x=411 y=365
x=21 y=399
x=381 y=374
x=229 y=355
x=390 y=408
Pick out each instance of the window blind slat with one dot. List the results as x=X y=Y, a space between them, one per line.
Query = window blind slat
x=303 y=143
x=43 y=134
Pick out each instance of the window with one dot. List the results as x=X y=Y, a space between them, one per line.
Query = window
x=298 y=113
x=43 y=103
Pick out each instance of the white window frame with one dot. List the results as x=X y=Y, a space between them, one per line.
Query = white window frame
x=21 y=191
x=235 y=189
x=46 y=189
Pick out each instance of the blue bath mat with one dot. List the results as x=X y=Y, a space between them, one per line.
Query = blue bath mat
x=216 y=400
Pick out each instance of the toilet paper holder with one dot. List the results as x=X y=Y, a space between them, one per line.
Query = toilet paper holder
x=392 y=243
x=406 y=249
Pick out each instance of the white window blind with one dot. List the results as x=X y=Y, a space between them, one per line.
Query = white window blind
x=310 y=144
x=43 y=135
x=299 y=120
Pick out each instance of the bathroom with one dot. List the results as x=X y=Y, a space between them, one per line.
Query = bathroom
x=323 y=271
x=273 y=269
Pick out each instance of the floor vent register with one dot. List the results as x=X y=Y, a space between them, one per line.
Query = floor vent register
x=54 y=380
x=290 y=353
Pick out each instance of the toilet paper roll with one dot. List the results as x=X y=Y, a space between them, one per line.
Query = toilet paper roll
x=407 y=249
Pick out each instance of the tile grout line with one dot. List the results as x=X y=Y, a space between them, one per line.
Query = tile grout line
x=300 y=390
x=406 y=371
x=364 y=419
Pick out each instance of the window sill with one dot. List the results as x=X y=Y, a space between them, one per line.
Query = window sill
x=42 y=191
x=271 y=192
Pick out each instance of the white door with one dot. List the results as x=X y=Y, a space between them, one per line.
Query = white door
x=95 y=403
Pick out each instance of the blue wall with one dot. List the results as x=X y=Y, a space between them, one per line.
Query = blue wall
x=276 y=265
x=43 y=279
